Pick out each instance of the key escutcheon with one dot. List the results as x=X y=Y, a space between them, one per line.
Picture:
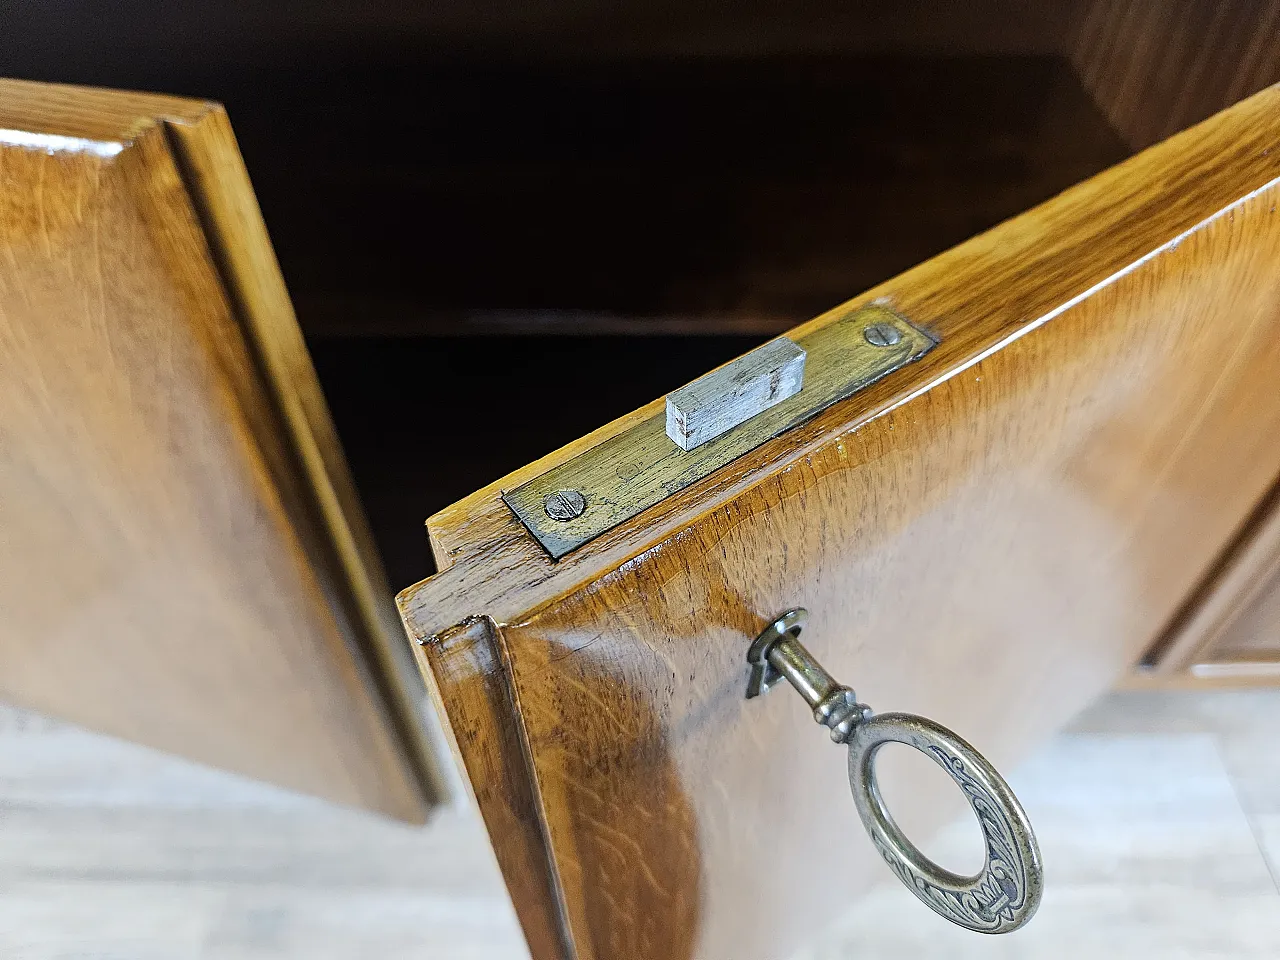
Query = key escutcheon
x=1006 y=892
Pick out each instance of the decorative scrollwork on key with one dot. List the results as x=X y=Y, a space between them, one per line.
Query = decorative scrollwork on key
x=1006 y=892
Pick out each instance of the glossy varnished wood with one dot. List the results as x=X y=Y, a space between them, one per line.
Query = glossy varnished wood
x=184 y=561
x=989 y=537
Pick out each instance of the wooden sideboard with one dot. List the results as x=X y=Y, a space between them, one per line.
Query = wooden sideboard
x=498 y=237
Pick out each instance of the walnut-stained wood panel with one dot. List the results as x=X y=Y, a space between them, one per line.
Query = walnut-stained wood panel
x=988 y=537
x=184 y=561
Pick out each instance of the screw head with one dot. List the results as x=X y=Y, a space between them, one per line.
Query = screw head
x=564 y=504
x=882 y=335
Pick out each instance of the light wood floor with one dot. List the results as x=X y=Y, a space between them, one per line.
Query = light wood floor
x=1158 y=816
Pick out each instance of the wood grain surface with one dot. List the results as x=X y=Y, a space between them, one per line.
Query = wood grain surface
x=184 y=562
x=988 y=537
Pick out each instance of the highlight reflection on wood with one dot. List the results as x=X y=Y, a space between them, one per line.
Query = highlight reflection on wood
x=988 y=538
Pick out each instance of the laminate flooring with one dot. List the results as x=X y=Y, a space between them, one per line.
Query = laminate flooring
x=1158 y=816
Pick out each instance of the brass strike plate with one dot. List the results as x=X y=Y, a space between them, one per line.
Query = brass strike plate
x=617 y=479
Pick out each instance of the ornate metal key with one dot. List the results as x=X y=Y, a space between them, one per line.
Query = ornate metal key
x=1005 y=893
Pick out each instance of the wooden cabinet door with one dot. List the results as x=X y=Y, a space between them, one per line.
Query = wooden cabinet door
x=988 y=536
x=182 y=558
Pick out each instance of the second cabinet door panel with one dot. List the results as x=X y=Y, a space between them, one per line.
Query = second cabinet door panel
x=184 y=561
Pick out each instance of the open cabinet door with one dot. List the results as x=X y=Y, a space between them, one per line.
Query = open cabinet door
x=987 y=535
x=183 y=560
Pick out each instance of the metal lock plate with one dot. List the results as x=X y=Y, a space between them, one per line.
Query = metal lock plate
x=600 y=488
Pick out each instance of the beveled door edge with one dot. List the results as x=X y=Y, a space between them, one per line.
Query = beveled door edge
x=316 y=483
x=468 y=670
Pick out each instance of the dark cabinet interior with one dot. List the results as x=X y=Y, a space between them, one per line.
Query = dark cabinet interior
x=503 y=228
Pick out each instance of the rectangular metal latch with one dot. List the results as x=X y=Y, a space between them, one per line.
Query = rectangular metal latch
x=709 y=422
x=733 y=394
